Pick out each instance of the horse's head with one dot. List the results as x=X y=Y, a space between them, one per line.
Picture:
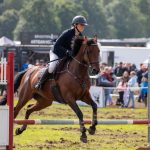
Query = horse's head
x=86 y=51
x=91 y=54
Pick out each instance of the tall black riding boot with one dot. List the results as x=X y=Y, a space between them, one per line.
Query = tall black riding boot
x=42 y=80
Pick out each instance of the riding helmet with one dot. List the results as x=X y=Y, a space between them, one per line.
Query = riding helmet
x=80 y=20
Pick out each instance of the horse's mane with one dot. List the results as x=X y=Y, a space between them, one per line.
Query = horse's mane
x=90 y=41
x=77 y=42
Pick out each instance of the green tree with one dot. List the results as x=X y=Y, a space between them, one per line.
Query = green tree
x=96 y=18
x=36 y=16
x=106 y=18
x=66 y=10
x=145 y=10
x=13 y=4
x=109 y=13
x=128 y=19
x=8 y=22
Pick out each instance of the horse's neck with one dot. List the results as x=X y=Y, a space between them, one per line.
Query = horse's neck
x=77 y=68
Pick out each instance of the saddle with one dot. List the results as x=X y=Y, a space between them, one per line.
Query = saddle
x=54 y=77
x=60 y=67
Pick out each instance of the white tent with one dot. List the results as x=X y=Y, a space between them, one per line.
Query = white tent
x=146 y=61
x=4 y=41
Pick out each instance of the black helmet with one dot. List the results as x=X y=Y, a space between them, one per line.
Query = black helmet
x=80 y=20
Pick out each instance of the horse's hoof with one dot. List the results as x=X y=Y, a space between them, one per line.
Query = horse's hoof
x=18 y=131
x=83 y=138
x=91 y=130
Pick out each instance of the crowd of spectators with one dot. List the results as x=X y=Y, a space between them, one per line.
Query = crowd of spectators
x=126 y=80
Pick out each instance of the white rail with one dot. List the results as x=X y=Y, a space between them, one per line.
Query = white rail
x=3 y=75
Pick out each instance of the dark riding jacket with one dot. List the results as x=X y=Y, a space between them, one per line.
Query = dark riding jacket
x=63 y=43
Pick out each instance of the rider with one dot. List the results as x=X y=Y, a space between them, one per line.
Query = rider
x=62 y=47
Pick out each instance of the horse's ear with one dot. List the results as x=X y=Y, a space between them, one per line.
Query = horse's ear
x=95 y=38
x=85 y=39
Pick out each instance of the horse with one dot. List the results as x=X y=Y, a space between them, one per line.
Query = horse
x=76 y=71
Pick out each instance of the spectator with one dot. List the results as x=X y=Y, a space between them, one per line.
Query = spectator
x=113 y=79
x=140 y=73
x=133 y=68
x=131 y=85
x=127 y=67
x=102 y=66
x=119 y=70
x=24 y=66
x=105 y=80
x=41 y=62
x=144 y=88
x=122 y=87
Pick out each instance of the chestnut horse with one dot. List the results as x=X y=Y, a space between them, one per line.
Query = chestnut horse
x=73 y=81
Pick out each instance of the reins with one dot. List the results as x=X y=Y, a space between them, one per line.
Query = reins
x=83 y=64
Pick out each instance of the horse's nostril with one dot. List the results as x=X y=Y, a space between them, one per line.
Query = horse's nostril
x=94 y=71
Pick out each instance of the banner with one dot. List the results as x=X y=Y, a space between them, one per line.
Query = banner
x=29 y=38
x=97 y=94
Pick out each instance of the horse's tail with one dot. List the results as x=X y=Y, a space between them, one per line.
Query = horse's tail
x=17 y=80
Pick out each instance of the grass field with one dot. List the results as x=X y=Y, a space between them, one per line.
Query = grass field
x=67 y=137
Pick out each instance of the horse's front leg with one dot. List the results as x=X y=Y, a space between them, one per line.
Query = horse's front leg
x=78 y=112
x=92 y=128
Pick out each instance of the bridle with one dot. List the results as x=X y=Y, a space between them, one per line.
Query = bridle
x=87 y=53
x=76 y=77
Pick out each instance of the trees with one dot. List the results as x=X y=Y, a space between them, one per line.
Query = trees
x=144 y=7
x=128 y=19
x=8 y=22
x=66 y=10
x=36 y=17
x=96 y=18
x=106 y=18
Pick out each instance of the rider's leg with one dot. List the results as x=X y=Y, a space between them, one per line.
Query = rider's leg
x=42 y=79
x=48 y=72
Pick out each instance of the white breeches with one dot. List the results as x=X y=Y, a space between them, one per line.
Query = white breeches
x=53 y=64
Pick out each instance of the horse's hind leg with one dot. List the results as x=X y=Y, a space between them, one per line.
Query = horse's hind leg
x=31 y=108
x=24 y=126
x=21 y=102
x=78 y=112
